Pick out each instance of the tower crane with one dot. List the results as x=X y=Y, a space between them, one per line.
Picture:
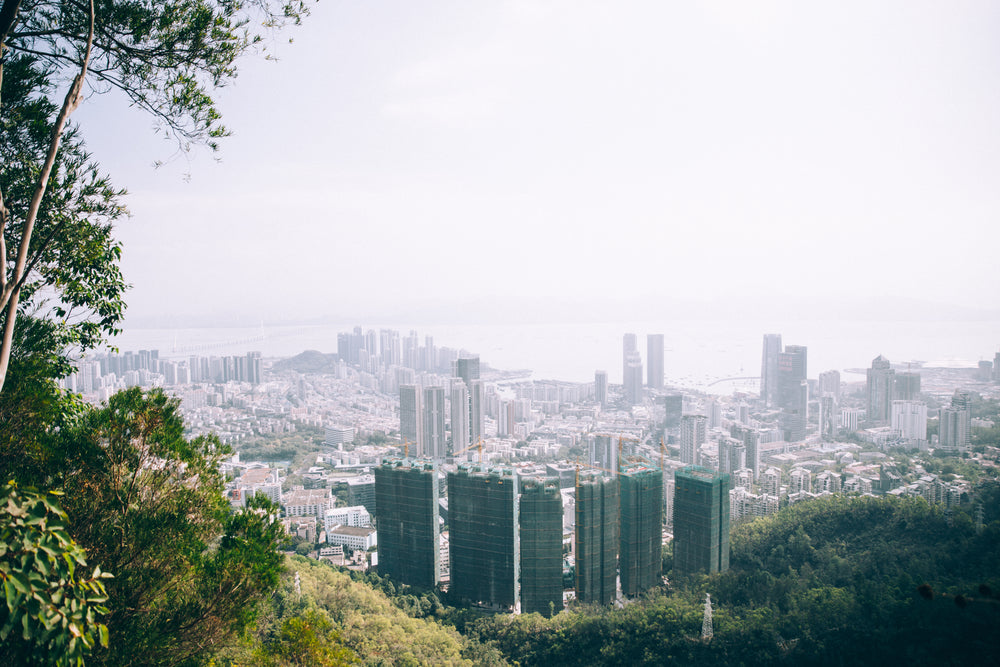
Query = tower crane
x=477 y=445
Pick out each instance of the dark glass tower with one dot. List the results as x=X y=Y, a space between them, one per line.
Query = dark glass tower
x=541 y=514
x=483 y=536
x=640 y=556
x=701 y=520
x=596 y=538
x=406 y=516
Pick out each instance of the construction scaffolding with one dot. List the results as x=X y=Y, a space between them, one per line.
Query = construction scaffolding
x=541 y=546
x=406 y=502
x=640 y=552
x=596 y=539
x=701 y=520
x=483 y=533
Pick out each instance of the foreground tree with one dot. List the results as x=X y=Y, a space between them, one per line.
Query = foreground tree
x=166 y=57
x=148 y=505
x=53 y=600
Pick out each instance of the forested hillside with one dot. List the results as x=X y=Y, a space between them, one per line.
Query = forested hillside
x=838 y=580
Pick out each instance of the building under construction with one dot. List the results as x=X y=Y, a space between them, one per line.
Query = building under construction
x=541 y=546
x=483 y=534
x=640 y=555
x=406 y=501
x=596 y=539
x=701 y=520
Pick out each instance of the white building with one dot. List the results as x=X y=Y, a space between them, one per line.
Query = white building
x=307 y=502
x=356 y=517
x=356 y=538
x=909 y=419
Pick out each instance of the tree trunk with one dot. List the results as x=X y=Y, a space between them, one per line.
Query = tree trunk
x=12 y=284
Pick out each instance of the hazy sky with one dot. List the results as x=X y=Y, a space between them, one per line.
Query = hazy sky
x=406 y=157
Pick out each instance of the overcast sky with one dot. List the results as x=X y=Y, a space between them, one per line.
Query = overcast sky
x=406 y=157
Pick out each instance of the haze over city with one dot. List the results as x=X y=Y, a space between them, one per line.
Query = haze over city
x=579 y=161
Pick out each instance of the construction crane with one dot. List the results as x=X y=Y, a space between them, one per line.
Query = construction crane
x=477 y=445
x=406 y=448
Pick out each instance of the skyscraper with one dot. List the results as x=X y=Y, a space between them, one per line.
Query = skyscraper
x=633 y=378
x=406 y=513
x=467 y=368
x=793 y=392
x=541 y=517
x=596 y=538
x=459 y=416
x=410 y=414
x=751 y=440
x=828 y=412
x=694 y=430
x=769 y=369
x=732 y=454
x=701 y=520
x=483 y=536
x=640 y=554
x=909 y=418
x=654 y=361
x=955 y=425
x=601 y=387
x=881 y=381
x=433 y=438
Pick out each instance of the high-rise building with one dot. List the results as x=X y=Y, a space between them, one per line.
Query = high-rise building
x=673 y=408
x=909 y=418
x=800 y=480
x=829 y=383
x=410 y=414
x=459 y=417
x=828 y=417
x=406 y=503
x=603 y=452
x=906 y=386
x=694 y=431
x=596 y=539
x=633 y=378
x=640 y=554
x=732 y=454
x=541 y=520
x=955 y=424
x=467 y=368
x=793 y=392
x=769 y=369
x=792 y=369
x=433 y=440
x=483 y=536
x=654 y=361
x=750 y=437
x=601 y=387
x=881 y=378
x=701 y=520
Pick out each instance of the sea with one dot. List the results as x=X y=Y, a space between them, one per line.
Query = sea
x=716 y=356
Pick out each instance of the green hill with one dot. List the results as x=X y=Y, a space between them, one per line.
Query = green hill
x=833 y=581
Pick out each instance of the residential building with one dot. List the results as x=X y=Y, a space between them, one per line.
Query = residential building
x=541 y=516
x=483 y=531
x=406 y=494
x=654 y=361
x=640 y=554
x=596 y=538
x=701 y=520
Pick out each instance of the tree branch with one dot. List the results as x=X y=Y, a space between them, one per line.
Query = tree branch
x=12 y=290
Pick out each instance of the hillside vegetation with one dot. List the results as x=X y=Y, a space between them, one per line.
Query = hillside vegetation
x=834 y=581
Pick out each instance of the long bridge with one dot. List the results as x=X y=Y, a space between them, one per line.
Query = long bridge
x=734 y=379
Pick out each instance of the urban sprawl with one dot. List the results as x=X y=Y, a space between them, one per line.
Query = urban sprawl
x=520 y=494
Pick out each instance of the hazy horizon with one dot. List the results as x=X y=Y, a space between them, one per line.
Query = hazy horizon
x=402 y=159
